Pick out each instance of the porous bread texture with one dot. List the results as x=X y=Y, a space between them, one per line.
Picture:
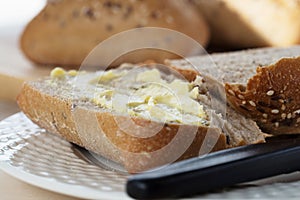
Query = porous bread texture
x=66 y=31
x=265 y=92
x=233 y=67
x=65 y=112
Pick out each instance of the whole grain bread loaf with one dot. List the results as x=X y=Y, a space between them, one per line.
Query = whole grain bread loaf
x=66 y=31
x=75 y=106
x=257 y=84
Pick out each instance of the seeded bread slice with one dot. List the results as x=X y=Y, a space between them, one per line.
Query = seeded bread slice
x=271 y=97
x=65 y=108
x=268 y=93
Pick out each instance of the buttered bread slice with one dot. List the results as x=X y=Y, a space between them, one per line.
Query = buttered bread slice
x=141 y=117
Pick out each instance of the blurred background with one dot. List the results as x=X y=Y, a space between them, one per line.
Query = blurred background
x=15 y=14
x=18 y=12
x=228 y=24
x=14 y=66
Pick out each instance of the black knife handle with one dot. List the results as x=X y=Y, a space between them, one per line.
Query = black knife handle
x=217 y=170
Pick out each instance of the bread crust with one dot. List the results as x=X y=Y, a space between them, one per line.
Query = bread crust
x=271 y=97
x=100 y=133
x=66 y=31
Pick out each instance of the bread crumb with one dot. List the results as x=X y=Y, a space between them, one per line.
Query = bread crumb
x=265 y=115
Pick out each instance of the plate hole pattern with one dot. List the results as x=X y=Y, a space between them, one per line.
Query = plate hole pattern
x=27 y=147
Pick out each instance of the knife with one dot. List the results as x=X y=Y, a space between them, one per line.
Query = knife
x=217 y=170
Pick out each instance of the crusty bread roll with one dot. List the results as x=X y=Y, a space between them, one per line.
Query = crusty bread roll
x=252 y=23
x=81 y=109
x=66 y=31
x=256 y=84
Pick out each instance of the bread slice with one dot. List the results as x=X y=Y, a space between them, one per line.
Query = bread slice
x=66 y=31
x=271 y=97
x=268 y=93
x=80 y=109
x=249 y=23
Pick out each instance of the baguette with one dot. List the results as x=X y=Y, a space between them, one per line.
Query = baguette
x=265 y=92
x=66 y=31
x=248 y=23
x=70 y=106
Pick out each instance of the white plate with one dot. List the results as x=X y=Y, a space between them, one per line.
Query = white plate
x=30 y=154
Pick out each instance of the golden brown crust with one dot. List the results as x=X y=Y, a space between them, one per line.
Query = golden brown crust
x=199 y=146
x=139 y=154
x=271 y=97
x=127 y=142
x=48 y=112
x=65 y=31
